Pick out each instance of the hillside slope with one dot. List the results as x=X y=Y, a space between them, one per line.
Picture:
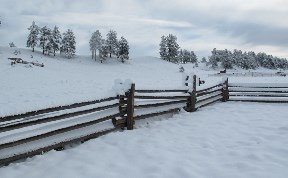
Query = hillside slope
x=64 y=81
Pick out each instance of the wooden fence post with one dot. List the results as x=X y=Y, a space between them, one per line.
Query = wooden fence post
x=120 y=123
x=225 y=91
x=122 y=106
x=130 y=108
x=192 y=99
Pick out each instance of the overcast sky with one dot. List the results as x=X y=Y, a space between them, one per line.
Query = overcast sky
x=200 y=25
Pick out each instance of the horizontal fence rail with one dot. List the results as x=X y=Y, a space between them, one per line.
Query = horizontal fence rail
x=25 y=123
x=259 y=92
x=53 y=109
x=160 y=91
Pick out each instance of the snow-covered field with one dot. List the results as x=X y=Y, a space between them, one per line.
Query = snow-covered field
x=239 y=140
x=230 y=139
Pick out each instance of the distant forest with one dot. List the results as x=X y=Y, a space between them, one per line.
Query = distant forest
x=170 y=51
x=246 y=60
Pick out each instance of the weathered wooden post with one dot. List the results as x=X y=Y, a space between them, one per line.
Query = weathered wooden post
x=225 y=91
x=192 y=99
x=122 y=107
x=120 y=122
x=130 y=108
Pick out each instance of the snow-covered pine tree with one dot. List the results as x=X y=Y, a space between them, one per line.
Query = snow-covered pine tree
x=186 y=56
x=33 y=36
x=12 y=45
x=252 y=60
x=180 y=57
x=92 y=45
x=45 y=35
x=268 y=62
x=163 y=48
x=260 y=57
x=214 y=59
x=68 y=45
x=95 y=43
x=103 y=51
x=193 y=57
x=172 y=48
x=237 y=57
x=204 y=60
x=284 y=63
x=226 y=59
x=280 y=63
x=123 y=49
x=111 y=42
x=55 y=40
x=49 y=47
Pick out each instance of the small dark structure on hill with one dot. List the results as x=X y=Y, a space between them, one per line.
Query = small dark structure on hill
x=223 y=71
x=20 y=61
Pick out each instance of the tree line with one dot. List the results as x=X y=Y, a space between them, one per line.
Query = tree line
x=246 y=60
x=109 y=46
x=170 y=51
x=51 y=41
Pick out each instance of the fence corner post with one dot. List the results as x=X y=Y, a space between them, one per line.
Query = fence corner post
x=191 y=104
x=130 y=108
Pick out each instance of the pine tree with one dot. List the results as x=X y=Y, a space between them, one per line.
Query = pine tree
x=49 y=47
x=172 y=48
x=95 y=43
x=186 y=56
x=55 y=40
x=68 y=44
x=204 y=60
x=260 y=57
x=237 y=57
x=103 y=51
x=213 y=59
x=226 y=59
x=180 y=56
x=252 y=60
x=123 y=49
x=268 y=62
x=33 y=36
x=45 y=34
x=163 y=48
x=193 y=57
x=111 y=42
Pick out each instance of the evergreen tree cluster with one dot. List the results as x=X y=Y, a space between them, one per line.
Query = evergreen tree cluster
x=185 y=56
x=170 y=51
x=109 y=46
x=51 y=41
x=245 y=60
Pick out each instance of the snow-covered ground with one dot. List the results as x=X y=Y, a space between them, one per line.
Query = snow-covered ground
x=224 y=140
x=230 y=139
x=64 y=81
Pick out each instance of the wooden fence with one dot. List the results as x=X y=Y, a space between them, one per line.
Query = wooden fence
x=36 y=132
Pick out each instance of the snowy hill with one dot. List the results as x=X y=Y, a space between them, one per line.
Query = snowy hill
x=224 y=140
x=64 y=81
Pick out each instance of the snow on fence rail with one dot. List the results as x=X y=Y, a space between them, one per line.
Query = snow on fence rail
x=259 y=92
x=35 y=132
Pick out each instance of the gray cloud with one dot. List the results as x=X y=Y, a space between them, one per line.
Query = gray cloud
x=199 y=25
